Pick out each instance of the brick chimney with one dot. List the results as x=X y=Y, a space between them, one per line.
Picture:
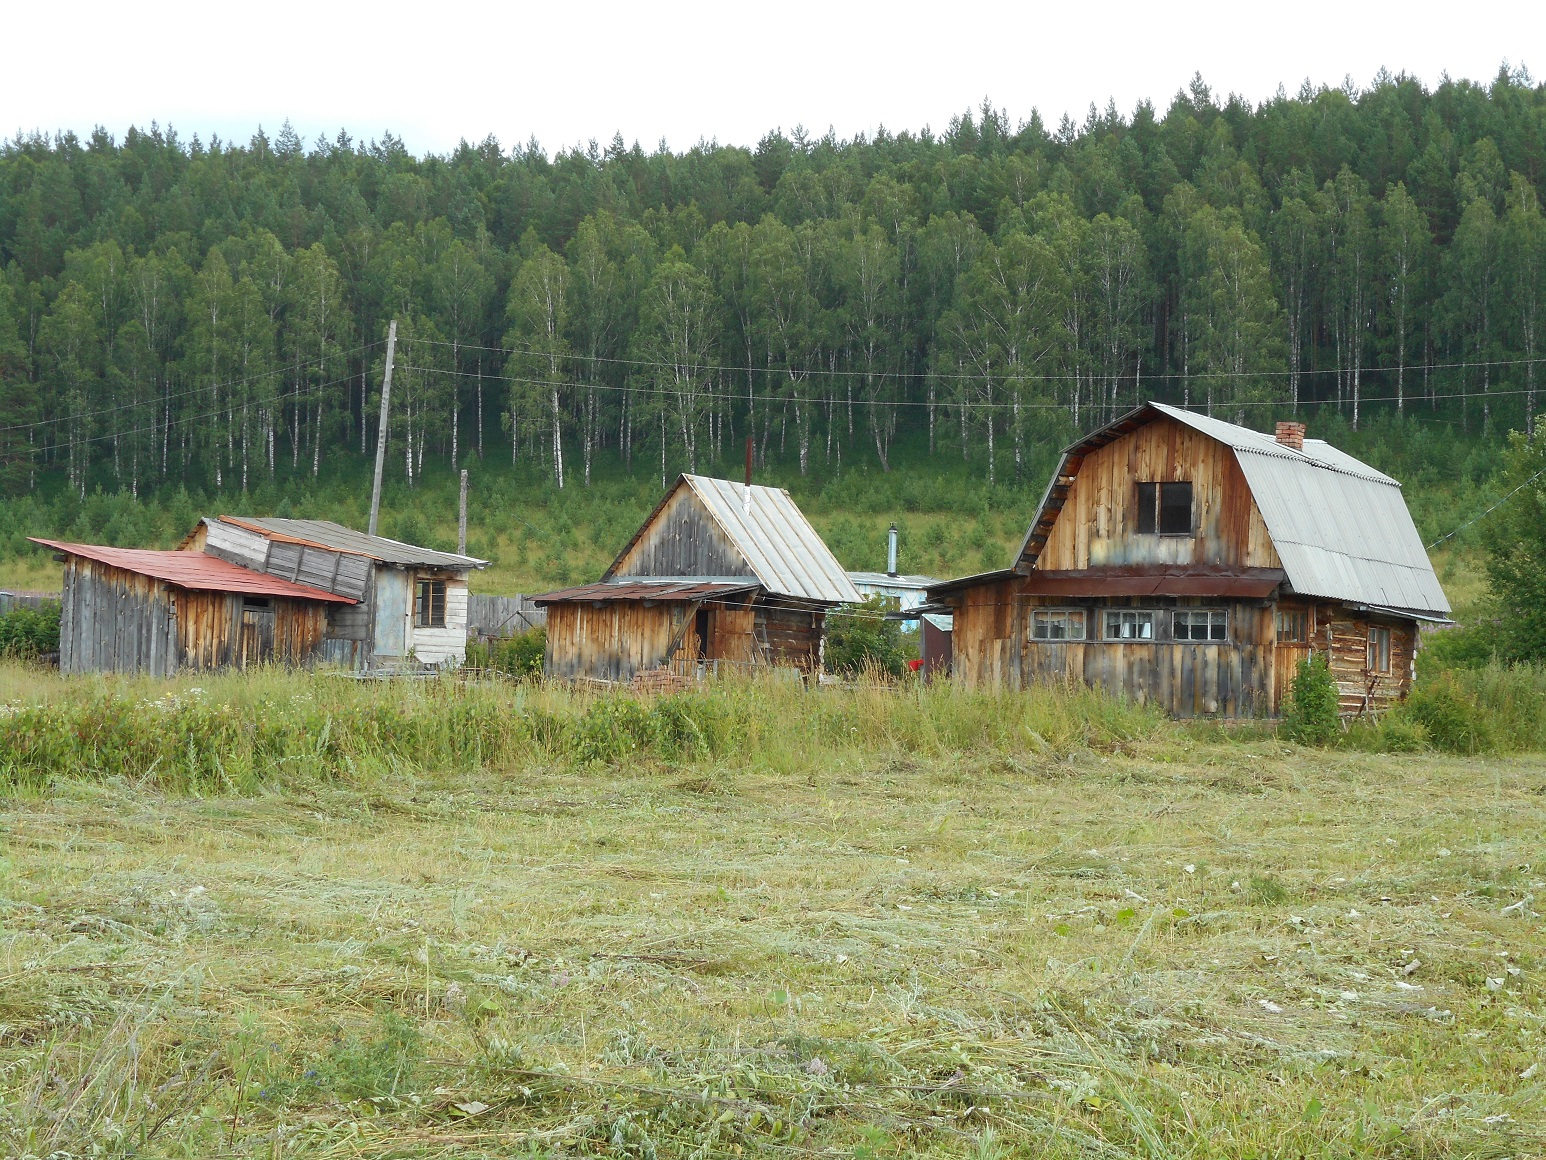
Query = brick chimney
x=1291 y=435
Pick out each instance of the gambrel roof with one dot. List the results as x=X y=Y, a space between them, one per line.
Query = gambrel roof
x=1341 y=528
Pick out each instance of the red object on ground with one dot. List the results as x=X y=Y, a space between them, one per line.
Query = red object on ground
x=915 y=665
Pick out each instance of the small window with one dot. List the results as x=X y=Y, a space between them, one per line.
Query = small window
x=1057 y=624
x=1293 y=626
x=1379 y=650
x=1124 y=625
x=1200 y=624
x=429 y=606
x=255 y=602
x=1165 y=508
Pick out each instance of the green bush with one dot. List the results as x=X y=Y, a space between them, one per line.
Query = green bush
x=1451 y=716
x=860 y=640
x=1312 y=713
x=27 y=633
x=519 y=655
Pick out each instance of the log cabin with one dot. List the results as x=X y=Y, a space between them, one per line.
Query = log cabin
x=721 y=576
x=128 y=610
x=1182 y=561
x=407 y=607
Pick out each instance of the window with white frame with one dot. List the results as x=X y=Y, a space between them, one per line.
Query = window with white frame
x=1057 y=624
x=1199 y=624
x=1129 y=624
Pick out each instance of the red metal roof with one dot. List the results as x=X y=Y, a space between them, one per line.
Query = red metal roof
x=194 y=571
x=680 y=591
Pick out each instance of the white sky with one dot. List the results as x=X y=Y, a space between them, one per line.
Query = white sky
x=436 y=72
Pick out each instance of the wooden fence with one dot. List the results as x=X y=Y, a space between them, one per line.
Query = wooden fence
x=496 y=616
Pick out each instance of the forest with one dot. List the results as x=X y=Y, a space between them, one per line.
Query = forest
x=185 y=313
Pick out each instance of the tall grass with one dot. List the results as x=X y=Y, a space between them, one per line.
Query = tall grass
x=235 y=733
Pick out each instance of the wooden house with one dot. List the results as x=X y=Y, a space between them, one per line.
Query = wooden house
x=721 y=575
x=132 y=611
x=407 y=606
x=1182 y=561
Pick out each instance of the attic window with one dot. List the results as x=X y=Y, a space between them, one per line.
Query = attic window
x=1165 y=508
x=429 y=605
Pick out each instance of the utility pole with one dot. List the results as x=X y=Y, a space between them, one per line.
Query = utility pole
x=381 y=431
x=461 y=519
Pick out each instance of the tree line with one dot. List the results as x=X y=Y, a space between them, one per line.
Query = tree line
x=178 y=310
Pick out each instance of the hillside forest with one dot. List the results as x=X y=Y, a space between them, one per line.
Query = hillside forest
x=184 y=316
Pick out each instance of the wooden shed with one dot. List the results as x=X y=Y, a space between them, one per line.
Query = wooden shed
x=128 y=610
x=407 y=604
x=720 y=576
x=1182 y=561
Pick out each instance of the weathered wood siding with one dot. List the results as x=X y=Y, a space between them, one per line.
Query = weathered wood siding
x=441 y=646
x=788 y=634
x=495 y=616
x=608 y=642
x=683 y=539
x=114 y=621
x=1098 y=524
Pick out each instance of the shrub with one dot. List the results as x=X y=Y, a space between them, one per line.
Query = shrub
x=860 y=639
x=27 y=633
x=519 y=655
x=1312 y=714
x=1451 y=717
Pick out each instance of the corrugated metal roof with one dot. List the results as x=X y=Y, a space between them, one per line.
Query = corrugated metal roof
x=772 y=535
x=195 y=571
x=337 y=538
x=1341 y=528
x=669 y=590
x=888 y=580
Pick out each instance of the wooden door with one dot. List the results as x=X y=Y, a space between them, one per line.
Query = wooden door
x=392 y=601
x=256 y=643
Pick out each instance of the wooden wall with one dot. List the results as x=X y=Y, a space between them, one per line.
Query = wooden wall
x=1098 y=524
x=614 y=640
x=682 y=540
x=1247 y=676
x=113 y=620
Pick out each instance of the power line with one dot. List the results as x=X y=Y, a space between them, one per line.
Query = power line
x=229 y=383
x=1488 y=512
x=832 y=372
x=734 y=396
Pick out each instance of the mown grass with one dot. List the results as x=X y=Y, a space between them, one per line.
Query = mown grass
x=769 y=921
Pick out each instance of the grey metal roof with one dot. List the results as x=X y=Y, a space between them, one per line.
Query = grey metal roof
x=887 y=580
x=337 y=538
x=1341 y=528
x=777 y=541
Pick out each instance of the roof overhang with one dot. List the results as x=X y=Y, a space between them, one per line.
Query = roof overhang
x=1240 y=583
x=194 y=571
x=652 y=591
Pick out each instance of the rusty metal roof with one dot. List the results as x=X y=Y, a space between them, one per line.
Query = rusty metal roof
x=194 y=571
x=337 y=538
x=1244 y=583
x=676 y=590
x=1341 y=528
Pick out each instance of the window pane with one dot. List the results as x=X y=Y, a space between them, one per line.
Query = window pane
x=1076 y=626
x=1148 y=501
x=1175 y=514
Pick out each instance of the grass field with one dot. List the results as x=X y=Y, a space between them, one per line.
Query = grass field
x=866 y=923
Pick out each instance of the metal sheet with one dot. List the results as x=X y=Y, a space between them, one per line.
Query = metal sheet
x=777 y=540
x=196 y=571
x=666 y=590
x=1341 y=528
x=337 y=538
x=392 y=597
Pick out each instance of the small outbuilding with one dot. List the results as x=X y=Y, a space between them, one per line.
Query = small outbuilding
x=127 y=610
x=1182 y=561
x=407 y=605
x=720 y=576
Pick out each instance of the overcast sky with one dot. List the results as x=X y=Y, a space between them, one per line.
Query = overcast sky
x=435 y=73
